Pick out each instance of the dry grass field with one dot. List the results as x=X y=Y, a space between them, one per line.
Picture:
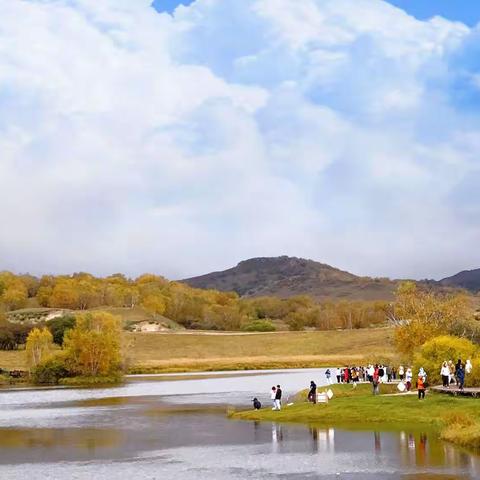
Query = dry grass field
x=157 y=352
x=206 y=351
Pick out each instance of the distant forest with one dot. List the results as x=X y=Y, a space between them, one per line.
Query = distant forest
x=191 y=308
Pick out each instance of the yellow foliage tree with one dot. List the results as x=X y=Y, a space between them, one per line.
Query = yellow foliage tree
x=15 y=296
x=93 y=346
x=422 y=315
x=154 y=304
x=39 y=346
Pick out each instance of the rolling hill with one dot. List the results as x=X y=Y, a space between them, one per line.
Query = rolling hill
x=288 y=276
x=468 y=279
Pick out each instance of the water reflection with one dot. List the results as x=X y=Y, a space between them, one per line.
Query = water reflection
x=92 y=436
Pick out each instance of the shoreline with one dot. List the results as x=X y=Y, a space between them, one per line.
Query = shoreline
x=453 y=418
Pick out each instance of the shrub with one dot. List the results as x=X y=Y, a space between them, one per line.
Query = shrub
x=259 y=326
x=439 y=349
x=50 y=371
x=58 y=327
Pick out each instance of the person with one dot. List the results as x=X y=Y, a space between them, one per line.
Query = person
x=457 y=366
x=328 y=374
x=278 y=398
x=370 y=373
x=389 y=373
x=273 y=395
x=376 y=382
x=423 y=373
x=354 y=377
x=421 y=387
x=256 y=404
x=339 y=375
x=312 y=393
x=346 y=375
x=381 y=373
x=468 y=367
x=460 y=376
x=394 y=373
x=408 y=378
x=445 y=373
x=451 y=366
x=401 y=373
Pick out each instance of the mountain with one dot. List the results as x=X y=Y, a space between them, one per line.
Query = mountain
x=468 y=279
x=289 y=276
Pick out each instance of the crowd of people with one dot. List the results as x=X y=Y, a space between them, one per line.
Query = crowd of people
x=377 y=374
x=455 y=373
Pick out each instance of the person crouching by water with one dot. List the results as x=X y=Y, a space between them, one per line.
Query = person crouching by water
x=273 y=394
x=256 y=404
x=421 y=387
x=278 y=398
x=312 y=393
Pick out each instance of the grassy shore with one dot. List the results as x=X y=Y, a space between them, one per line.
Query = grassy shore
x=188 y=352
x=454 y=418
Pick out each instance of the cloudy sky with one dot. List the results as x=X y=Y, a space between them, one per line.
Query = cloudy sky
x=184 y=140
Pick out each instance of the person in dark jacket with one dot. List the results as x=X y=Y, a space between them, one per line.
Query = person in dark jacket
x=461 y=376
x=278 y=398
x=312 y=393
x=256 y=404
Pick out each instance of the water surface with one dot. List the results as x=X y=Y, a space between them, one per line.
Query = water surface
x=175 y=427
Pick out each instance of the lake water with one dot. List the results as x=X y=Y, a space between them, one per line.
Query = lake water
x=174 y=427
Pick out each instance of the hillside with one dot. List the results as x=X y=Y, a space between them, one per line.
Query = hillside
x=288 y=276
x=468 y=279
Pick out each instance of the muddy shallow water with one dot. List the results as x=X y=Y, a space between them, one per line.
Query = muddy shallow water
x=175 y=427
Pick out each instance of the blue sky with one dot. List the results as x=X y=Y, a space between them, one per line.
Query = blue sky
x=466 y=11
x=345 y=131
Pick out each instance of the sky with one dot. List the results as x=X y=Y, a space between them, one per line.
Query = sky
x=135 y=140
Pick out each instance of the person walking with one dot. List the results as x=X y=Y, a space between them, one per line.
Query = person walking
x=389 y=373
x=312 y=393
x=401 y=373
x=461 y=376
x=421 y=387
x=376 y=382
x=445 y=373
x=273 y=394
x=339 y=375
x=278 y=398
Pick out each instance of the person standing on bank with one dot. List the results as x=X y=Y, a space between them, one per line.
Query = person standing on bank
x=273 y=394
x=312 y=393
x=421 y=387
x=278 y=398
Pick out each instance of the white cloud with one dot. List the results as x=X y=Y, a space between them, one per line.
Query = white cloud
x=134 y=141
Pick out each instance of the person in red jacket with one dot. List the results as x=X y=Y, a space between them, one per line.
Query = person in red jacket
x=346 y=375
x=421 y=387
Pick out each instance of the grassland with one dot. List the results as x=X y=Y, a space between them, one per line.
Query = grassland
x=454 y=418
x=157 y=352
x=184 y=352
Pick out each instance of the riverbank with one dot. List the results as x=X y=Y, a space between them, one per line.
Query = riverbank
x=455 y=419
x=171 y=352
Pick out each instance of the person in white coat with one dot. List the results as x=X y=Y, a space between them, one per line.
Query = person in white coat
x=273 y=394
x=468 y=367
x=445 y=373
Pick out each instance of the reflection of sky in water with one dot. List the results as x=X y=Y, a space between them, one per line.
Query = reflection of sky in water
x=130 y=431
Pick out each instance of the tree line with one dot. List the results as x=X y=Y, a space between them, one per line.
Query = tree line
x=190 y=307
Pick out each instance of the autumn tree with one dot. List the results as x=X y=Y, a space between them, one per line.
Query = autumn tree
x=421 y=315
x=39 y=346
x=93 y=346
